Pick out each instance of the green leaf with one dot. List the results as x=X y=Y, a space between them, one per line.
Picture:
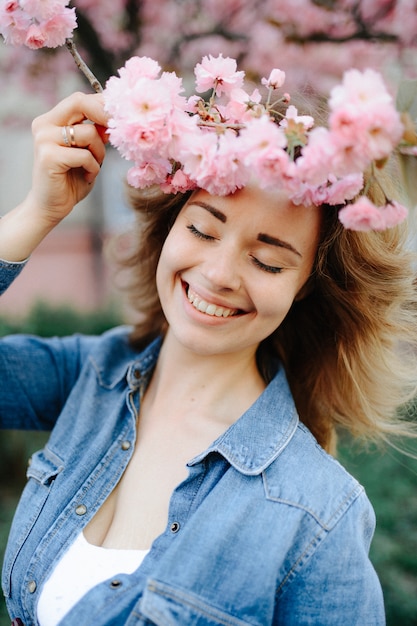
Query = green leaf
x=329 y=5
x=408 y=167
x=407 y=97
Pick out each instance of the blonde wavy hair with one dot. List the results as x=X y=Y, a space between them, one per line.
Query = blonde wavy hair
x=348 y=347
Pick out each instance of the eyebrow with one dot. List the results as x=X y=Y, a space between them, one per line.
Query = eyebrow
x=263 y=237
x=274 y=241
x=219 y=214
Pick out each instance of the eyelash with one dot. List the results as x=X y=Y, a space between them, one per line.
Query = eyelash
x=271 y=269
x=199 y=234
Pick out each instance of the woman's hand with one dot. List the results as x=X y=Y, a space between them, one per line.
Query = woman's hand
x=69 y=148
x=69 y=152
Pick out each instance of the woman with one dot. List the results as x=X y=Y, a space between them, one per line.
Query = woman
x=179 y=485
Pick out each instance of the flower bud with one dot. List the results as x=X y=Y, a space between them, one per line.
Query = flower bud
x=276 y=79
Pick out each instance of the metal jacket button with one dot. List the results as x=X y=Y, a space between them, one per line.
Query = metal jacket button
x=115 y=583
x=81 y=509
x=175 y=526
x=32 y=586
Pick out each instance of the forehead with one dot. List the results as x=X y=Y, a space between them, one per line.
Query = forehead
x=256 y=210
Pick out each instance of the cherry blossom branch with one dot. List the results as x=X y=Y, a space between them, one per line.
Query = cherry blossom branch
x=82 y=66
x=359 y=35
x=220 y=125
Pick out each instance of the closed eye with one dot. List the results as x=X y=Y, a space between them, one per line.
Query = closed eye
x=197 y=233
x=272 y=269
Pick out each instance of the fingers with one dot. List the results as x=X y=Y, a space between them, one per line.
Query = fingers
x=75 y=109
x=69 y=148
x=77 y=126
x=82 y=136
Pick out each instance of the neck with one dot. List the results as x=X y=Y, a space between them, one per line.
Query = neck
x=221 y=385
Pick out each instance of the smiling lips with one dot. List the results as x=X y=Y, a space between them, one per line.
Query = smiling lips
x=208 y=308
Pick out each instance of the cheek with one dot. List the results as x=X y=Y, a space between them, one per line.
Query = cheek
x=167 y=258
x=274 y=303
x=163 y=271
x=172 y=260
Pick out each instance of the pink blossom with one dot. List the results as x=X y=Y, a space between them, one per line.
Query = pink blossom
x=261 y=134
x=192 y=104
x=59 y=28
x=148 y=173
x=307 y=195
x=372 y=133
x=148 y=105
x=394 y=213
x=226 y=171
x=349 y=159
x=276 y=79
x=340 y=190
x=35 y=37
x=37 y=23
x=11 y=6
x=180 y=126
x=383 y=134
x=197 y=153
x=361 y=90
x=43 y=10
x=364 y=118
x=14 y=25
x=137 y=143
x=138 y=122
x=317 y=159
x=214 y=163
x=219 y=145
x=362 y=215
x=174 y=85
x=264 y=143
x=242 y=106
x=292 y=114
x=178 y=183
x=139 y=67
x=217 y=73
x=334 y=191
x=135 y=68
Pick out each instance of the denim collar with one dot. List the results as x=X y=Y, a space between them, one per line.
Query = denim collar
x=123 y=362
x=257 y=438
x=252 y=442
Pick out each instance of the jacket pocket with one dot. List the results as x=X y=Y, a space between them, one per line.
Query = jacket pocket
x=43 y=468
x=164 y=605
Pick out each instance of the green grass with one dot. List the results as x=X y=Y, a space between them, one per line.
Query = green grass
x=8 y=503
x=391 y=484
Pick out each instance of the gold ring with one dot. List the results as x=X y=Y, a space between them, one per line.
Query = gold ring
x=72 y=136
x=68 y=136
x=65 y=136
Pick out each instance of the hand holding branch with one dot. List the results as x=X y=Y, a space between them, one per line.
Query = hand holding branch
x=69 y=148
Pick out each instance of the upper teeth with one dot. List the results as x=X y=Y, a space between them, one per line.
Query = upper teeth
x=206 y=307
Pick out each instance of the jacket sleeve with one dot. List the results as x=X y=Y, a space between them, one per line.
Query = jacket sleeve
x=338 y=584
x=8 y=272
x=36 y=375
x=36 y=378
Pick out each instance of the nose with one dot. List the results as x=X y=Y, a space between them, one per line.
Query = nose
x=222 y=269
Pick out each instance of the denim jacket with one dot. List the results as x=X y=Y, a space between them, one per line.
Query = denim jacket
x=266 y=529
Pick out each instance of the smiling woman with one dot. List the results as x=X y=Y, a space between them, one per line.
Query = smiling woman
x=189 y=453
x=218 y=251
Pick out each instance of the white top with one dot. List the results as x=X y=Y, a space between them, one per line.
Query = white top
x=80 y=569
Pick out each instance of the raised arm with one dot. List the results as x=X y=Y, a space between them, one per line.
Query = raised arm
x=69 y=148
